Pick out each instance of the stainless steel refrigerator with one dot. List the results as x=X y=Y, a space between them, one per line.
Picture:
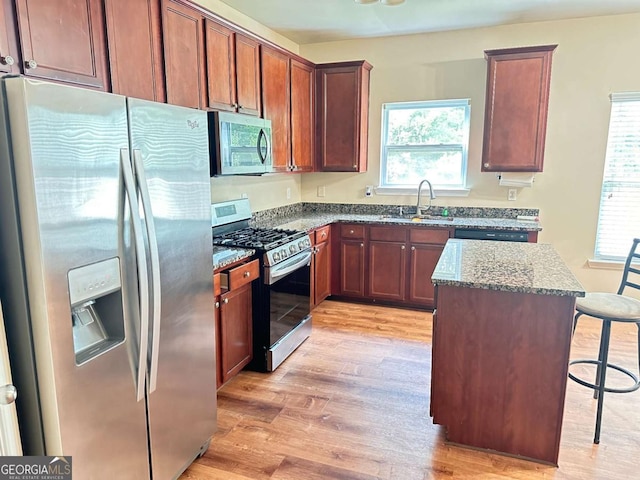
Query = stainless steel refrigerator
x=106 y=278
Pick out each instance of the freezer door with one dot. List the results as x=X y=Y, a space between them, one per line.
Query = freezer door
x=66 y=146
x=171 y=147
x=9 y=433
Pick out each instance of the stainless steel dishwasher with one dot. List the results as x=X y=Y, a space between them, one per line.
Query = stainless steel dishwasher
x=484 y=234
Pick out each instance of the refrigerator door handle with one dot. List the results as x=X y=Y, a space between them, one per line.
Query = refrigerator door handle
x=141 y=264
x=155 y=267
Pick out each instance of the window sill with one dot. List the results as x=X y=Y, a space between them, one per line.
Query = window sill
x=439 y=192
x=605 y=264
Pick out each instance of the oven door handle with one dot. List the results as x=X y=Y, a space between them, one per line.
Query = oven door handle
x=294 y=263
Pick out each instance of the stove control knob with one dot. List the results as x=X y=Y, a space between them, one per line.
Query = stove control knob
x=302 y=244
x=284 y=254
x=293 y=248
x=276 y=256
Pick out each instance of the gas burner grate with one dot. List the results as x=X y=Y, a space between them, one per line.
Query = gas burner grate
x=258 y=238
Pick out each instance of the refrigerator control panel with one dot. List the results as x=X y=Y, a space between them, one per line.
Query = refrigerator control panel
x=94 y=280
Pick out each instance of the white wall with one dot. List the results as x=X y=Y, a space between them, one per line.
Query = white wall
x=595 y=56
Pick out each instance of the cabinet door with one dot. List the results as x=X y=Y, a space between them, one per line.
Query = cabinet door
x=276 y=106
x=9 y=56
x=64 y=40
x=248 y=75
x=321 y=272
x=342 y=93
x=135 y=48
x=516 y=109
x=302 y=124
x=352 y=268
x=387 y=270
x=422 y=264
x=221 y=66
x=236 y=343
x=184 y=57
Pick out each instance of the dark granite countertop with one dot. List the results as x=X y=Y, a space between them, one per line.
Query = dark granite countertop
x=308 y=221
x=223 y=256
x=508 y=266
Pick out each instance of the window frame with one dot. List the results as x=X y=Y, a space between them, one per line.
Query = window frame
x=463 y=148
x=598 y=256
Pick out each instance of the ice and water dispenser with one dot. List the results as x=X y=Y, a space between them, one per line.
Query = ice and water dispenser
x=95 y=292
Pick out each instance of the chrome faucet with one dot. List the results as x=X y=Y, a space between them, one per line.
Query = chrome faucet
x=431 y=196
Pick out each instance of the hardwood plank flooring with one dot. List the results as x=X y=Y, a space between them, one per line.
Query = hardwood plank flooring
x=353 y=403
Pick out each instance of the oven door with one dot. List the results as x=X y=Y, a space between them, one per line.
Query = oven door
x=289 y=290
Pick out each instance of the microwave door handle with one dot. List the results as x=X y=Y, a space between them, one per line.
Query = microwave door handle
x=261 y=136
x=141 y=264
x=155 y=266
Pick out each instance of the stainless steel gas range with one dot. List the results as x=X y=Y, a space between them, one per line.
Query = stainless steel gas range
x=281 y=296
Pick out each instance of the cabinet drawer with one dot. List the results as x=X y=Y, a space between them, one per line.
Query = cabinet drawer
x=322 y=234
x=352 y=231
x=388 y=234
x=217 y=287
x=240 y=275
x=425 y=235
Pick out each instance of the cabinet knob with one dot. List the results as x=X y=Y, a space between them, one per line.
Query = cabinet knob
x=402 y=247
x=324 y=234
x=351 y=232
x=246 y=274
x=8 y=60
x=486 y=165
x=355 y=166
x=217 y=304
x=361 y=245
x=234 y=105
x=8 y=394
x=31 y=64
x=413 y=249
x=225 y=301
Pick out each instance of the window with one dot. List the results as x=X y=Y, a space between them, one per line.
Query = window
x=425 y=140
x=619 y=219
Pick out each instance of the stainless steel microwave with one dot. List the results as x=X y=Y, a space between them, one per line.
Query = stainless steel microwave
x=239 y=144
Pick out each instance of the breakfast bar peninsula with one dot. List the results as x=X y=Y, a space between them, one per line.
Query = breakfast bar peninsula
x=501 y=337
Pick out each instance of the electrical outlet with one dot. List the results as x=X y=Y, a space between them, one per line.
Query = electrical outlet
x=288 y=193
x=244 y=195
x=513 y=194
x=322 y=191
x=368 y=190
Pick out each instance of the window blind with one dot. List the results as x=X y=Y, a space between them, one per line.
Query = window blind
x=619 y=218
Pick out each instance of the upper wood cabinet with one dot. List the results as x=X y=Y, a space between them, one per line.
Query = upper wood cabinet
x=287 y=100
x=342 y=96
x=302 y=120
x=9 y=55
x=184 y=57
x=63 y=41
x=248 y=75
x=515 y=121
x=135 y=48
x=276 y=105
x=233 y=70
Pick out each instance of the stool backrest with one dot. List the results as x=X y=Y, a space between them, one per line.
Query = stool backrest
x=633 y=254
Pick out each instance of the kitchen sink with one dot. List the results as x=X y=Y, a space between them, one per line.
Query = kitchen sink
x=416 y=218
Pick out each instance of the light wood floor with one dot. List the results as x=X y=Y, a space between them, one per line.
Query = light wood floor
x=353 y=403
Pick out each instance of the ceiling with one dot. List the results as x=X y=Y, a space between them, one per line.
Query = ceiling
x=314 y=21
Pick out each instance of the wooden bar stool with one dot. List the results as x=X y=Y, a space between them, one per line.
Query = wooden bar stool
x=610 y=307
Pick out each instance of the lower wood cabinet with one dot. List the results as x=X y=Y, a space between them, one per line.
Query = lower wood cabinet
x=321 y=265
x=234 y=320
x=391 y=263
x=387 y=270
x=235 y=331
